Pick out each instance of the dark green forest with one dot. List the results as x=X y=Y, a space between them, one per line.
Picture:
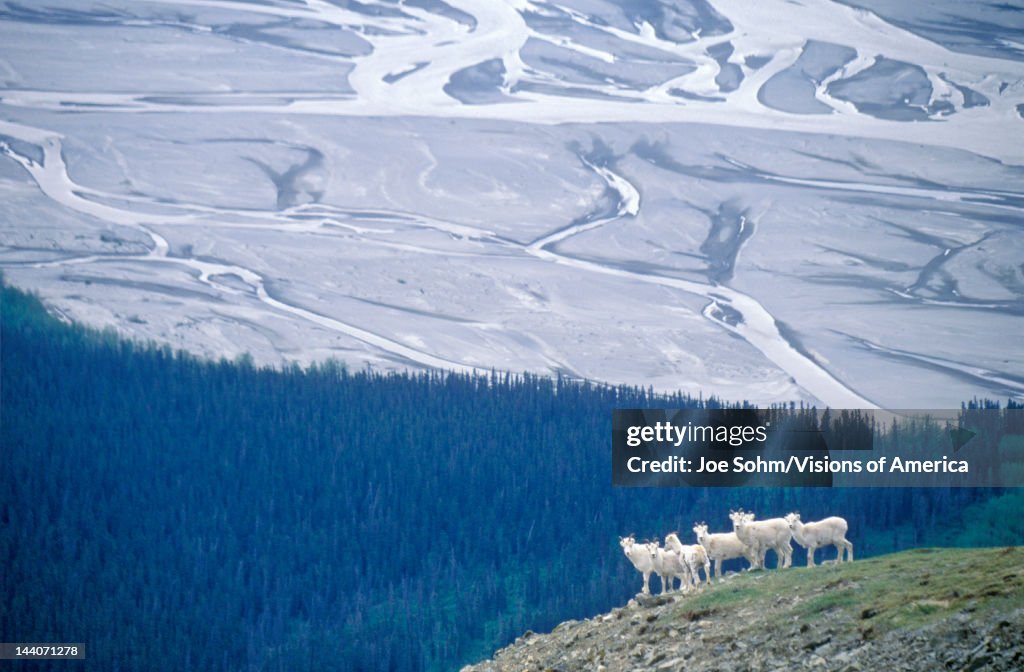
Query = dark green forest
x=174 y=513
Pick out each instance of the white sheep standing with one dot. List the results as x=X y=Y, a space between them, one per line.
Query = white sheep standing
x=761 y=535
x=695 y=557
x=746 y=537
x=721 y=546
x=640 y=557
x=812 y=536
x=670 y=566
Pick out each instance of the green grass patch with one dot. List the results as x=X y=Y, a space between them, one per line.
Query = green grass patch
x=719 y=597
x=828 y=600
x=902 y=590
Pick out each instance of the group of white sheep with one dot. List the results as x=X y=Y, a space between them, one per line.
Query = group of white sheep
x=750 y=539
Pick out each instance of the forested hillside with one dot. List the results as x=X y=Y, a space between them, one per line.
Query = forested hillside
x=174 y=513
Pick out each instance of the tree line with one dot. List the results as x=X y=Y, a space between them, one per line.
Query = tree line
x=177 y=513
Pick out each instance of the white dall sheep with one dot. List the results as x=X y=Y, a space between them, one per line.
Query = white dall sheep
x=670 y=566
x=761 y=535
x=641 y=559
x=746 y=537
x=721 y=546
x=695 y=557
x=828 y=532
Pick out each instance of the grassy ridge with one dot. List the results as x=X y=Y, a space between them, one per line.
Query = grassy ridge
x=907 y=589
x=923 y=609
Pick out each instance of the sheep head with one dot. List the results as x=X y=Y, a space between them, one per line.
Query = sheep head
x=672 y=542
x=739 y=519
x=701 y=530
x=792 y=519
x=652 y=548
x=627 y=542
x=741 y=516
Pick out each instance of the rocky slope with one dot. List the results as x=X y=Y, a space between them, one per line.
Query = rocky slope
x=926 y=609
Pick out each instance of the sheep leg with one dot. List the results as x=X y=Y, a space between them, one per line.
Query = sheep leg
x=716 y=568
x=849 y=551
x=810 y=555
x=647 y=582
x=752 y=557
